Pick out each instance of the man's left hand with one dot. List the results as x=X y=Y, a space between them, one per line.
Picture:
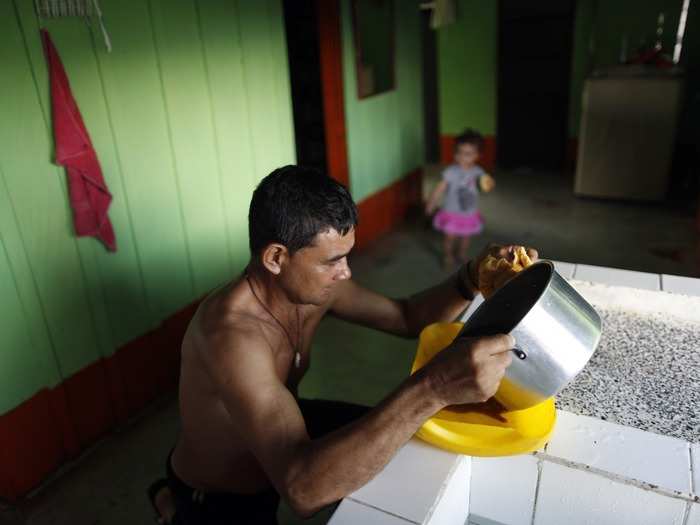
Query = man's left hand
x=469 y=272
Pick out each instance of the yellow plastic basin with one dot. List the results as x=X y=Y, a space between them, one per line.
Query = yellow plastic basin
x=475 y=432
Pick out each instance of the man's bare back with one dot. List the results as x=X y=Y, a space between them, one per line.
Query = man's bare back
x=209 y=453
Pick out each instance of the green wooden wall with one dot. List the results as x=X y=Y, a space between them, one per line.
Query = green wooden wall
x=385 y=132
x=467 y=68
x=186 y=114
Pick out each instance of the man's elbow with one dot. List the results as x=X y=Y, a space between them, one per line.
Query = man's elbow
x=303 y=502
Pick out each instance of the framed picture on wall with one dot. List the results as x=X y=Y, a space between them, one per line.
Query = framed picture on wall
x=373 y=26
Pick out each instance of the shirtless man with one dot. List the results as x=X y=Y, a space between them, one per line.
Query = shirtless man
x=246 y=438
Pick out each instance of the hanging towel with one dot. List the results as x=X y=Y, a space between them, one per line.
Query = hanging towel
x=88 y=193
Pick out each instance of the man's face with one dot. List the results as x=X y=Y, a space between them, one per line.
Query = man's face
x=315 y=270
x=467 y=155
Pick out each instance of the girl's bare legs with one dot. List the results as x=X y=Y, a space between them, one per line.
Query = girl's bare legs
x=448 y=249
x=463 y=248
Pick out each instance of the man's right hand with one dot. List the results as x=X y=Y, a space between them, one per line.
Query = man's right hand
x=470 y=369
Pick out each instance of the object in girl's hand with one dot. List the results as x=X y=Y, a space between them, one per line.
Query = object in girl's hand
x=486 y=183
x=495 y=272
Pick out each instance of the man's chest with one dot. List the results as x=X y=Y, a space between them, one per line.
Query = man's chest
x=293 y=361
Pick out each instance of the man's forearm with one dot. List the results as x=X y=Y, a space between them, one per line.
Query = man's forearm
x=441 y=303
x=329 y=468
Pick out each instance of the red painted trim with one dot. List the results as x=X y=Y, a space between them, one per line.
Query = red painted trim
x=117 y=389
x=68 y=435
x=447 y=147
x=488 y=155
x=89 y=403
x=331 y=51
x=384 y=210
x=32 y=445
x=57 y=424
x=137 y=364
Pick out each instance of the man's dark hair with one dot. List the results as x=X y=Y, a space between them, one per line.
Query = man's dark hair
x=293 y=204
x=470 y=136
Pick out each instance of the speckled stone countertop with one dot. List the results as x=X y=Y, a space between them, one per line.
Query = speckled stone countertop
x=646 y=370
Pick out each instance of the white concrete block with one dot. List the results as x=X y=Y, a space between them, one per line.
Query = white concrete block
x=503 y=490
x=413 y=482
x=680 y=285
x=573 y=497
x=629 y=452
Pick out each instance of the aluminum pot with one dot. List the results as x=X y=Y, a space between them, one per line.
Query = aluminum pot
x=555 y=329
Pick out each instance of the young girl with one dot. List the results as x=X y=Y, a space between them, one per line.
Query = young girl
x=461 y=182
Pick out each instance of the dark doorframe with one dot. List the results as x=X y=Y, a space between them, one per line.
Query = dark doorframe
x=303 y=53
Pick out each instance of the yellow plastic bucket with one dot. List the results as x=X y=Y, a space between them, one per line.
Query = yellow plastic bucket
x=476 y=432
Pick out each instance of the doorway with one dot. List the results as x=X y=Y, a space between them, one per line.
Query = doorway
x=535 y=42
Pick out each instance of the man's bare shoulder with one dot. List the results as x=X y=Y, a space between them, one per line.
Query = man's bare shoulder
x=224 y=330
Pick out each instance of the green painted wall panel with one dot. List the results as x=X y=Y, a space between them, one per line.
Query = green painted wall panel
x=223 y=56
x=186 y=114
x=270 y=126
x=19 y=277
x=385 y=132
x=468 y=68
x=134 y=92
x=196 y=163
x=18 y=356
x=284 y=121
x=37 y=191
x=27 y=357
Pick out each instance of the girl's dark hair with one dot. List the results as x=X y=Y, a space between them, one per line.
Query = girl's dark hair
x=293 y=204
x=470 y=136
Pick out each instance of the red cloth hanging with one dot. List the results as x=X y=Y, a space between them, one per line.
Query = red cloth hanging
x=88 y=193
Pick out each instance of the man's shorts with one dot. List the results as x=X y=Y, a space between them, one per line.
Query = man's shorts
x=195 y=507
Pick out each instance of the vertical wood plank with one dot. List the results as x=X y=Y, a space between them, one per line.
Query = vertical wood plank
x=22 y=373
x=193 y=141
x=134 y=97
x=220 y=30
x=38 y=349
x=259 y=67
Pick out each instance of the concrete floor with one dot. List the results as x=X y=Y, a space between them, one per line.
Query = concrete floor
x=107 y=485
